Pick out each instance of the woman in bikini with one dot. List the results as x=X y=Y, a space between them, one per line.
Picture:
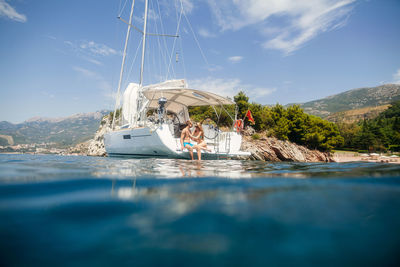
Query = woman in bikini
x=198 y=136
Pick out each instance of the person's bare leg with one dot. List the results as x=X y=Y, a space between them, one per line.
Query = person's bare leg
x=190 y=149
x=199 y=153
x=204 y=146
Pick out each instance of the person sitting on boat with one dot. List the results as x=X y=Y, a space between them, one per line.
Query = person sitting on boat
x=198 y=136
x=185 y=139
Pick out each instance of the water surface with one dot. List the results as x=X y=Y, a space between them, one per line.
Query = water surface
x=70 y=210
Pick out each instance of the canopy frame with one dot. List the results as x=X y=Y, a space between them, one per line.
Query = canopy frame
x=199 y=98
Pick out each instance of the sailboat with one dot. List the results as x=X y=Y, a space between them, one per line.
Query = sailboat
x=153 y=116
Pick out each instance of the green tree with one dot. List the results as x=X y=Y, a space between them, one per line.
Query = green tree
x=242 y=102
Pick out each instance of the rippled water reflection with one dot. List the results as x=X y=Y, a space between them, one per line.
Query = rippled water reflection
x=87 y=211
x=31 y=167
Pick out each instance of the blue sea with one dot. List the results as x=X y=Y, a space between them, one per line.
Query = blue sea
x=88 y=211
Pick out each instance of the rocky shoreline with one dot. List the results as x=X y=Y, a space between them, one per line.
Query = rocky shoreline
x=272 y=149
x=264 y=148
x=96 y=145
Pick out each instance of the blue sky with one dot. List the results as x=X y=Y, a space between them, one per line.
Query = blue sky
x=58 y=58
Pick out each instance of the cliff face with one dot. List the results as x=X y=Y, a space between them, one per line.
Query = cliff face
x=96 y=145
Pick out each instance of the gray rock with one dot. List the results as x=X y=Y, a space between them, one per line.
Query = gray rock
x=96 y=145
x=272 y=149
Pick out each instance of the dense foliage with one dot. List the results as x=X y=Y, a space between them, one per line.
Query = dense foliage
x=379 y=134
x=284 y=123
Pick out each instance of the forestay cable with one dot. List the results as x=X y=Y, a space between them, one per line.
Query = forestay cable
x=197 y=41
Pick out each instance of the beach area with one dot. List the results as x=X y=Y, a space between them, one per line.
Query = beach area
x=349 y=156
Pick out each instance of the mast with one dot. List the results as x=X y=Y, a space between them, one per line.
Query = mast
x=123 y=63
x=140 y=116
x=144 y=43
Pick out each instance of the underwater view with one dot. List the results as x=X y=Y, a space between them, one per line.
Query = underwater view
x=75 y=210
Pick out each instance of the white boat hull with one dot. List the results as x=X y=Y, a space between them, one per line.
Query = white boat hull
x=159 y=142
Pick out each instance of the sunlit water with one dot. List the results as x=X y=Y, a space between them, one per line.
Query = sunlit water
x=84 y=211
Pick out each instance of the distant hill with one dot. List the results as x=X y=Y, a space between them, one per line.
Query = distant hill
x=353 y=99
x=355 y=115
x=63 y=132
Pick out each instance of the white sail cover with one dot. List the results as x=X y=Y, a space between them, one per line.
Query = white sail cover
x=178 y=96
x=129 y=103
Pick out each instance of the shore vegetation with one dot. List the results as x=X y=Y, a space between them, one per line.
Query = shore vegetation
x=285 y=123
x=380 y=134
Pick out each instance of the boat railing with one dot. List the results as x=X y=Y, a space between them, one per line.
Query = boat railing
x=228 y=142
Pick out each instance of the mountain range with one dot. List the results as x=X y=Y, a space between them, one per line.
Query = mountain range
x=60 y=132
x=353 y=99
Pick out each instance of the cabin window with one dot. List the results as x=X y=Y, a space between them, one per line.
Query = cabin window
x=127 y=136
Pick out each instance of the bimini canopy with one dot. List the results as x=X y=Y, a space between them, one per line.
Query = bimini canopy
x=180 y=97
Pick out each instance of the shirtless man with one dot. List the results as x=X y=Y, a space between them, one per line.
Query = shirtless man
x=185 y=138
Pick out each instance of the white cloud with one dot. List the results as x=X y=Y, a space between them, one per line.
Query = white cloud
x=229 y=87
x=287 y=25
x=396 y=77
x=91 y=48
x=9 y=12
x=91 y=51
x=260 y=92
x=223 y=87
x=235 y=59
x=97 y=49
x=206 y=34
